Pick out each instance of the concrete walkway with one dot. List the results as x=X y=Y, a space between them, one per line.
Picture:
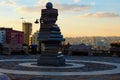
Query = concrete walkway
x=113 y=71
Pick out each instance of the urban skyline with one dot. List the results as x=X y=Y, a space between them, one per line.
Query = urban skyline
x=77 y=17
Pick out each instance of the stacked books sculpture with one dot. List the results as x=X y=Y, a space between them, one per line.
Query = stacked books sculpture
x=50 y=38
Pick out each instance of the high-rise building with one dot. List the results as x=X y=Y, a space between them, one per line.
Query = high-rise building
x=27 y=29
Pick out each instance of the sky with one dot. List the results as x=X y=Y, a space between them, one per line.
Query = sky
x=76 y=17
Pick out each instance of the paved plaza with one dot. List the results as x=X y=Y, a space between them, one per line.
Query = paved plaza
x=23 y=67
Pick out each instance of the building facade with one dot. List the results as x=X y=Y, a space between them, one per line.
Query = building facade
x=2 y=36
x=27 y=29
x=35 y=38
x=10 y=36
x=17 y=37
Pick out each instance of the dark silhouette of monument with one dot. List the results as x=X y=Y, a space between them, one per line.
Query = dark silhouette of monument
x=50 y=38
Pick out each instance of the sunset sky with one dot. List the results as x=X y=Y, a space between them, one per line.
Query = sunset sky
x=76 y=17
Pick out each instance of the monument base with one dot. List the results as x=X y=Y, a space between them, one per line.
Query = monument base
x=51 y=60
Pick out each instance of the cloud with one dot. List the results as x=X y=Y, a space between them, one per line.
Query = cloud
x=29 y=9
x=41 y=4
x=76 y=1
x=72 y=7
x=100 y=15
x=61 y=7
x=10 y=3
x=92 y=3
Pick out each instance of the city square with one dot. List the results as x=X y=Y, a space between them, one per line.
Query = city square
x=19 y=67
x=78 y=49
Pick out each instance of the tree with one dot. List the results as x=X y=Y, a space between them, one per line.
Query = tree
x=115 y=44
x=115 y=48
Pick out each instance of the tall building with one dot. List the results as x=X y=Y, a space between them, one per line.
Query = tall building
x=27 y=29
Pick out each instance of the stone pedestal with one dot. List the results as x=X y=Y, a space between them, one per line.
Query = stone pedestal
x=51 y=60
x=51 y=54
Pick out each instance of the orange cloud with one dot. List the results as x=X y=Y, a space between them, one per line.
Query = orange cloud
x=100 y=14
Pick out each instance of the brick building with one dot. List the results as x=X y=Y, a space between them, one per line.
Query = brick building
x=12 y=36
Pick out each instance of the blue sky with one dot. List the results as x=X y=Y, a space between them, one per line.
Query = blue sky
x=76 y=17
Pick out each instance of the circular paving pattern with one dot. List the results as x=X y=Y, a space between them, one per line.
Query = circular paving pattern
x=75 y=67
x=68 y=65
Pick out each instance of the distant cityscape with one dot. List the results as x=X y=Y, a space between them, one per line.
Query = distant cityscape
x=95 y=41
x=10 y=38
x=29 y=38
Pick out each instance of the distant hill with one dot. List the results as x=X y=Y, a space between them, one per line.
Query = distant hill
x=92 y=40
